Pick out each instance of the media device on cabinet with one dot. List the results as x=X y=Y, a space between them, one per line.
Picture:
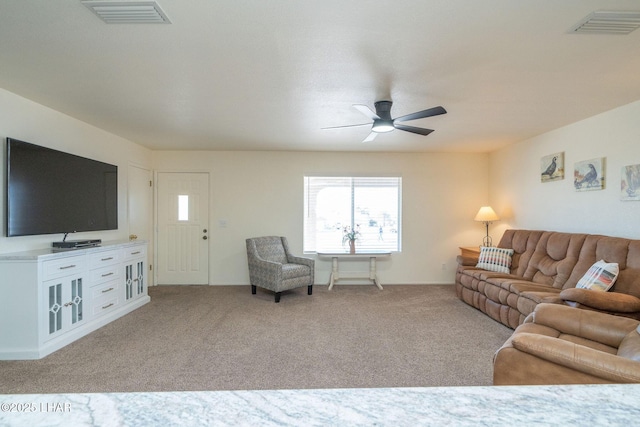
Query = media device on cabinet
x=50 y=191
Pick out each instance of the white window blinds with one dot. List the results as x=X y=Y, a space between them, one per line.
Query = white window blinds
x=369 y=205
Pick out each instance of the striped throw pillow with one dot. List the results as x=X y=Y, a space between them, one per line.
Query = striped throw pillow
x=495 y=259
x=600 y=276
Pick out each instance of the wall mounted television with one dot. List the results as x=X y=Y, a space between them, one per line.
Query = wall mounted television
x=50 y=191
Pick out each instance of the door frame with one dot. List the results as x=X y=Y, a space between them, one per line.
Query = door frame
x=156 y=172
x=151 y=240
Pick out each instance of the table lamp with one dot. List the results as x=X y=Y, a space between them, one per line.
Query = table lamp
x=486 y=215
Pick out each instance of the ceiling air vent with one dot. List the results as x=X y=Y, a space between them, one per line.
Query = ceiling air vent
x=608 y=22
x=128 y=12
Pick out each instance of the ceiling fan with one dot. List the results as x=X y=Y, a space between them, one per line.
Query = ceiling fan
x=382 y=121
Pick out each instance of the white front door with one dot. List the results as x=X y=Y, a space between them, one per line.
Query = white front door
x=183 y=229
x=140 y=206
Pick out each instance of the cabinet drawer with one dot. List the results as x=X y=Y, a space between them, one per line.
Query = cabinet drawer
x=103 y=258
x=135 y=252
x=104 y=305
x=101 y=275
x=107 y=290
x=63 y=267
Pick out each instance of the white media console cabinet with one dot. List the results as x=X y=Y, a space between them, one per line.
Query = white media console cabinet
x=51 y=298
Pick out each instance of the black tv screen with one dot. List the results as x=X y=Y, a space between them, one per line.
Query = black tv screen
x=50 y=191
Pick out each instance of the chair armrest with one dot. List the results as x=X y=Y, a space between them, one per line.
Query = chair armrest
x=263 y=273
x=301 y=260
x=605 y=301
x=578 y=357
x=600 y=327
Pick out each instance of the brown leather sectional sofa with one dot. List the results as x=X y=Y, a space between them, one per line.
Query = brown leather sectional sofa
x=546 y=266
x=563 y=334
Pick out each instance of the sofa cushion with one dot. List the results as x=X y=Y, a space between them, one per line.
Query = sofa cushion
x=552 y=297
x=600 y=277
x=481 y=274
x=523 y=243
x=519 y=286
x=555 y=256
x=495 y=259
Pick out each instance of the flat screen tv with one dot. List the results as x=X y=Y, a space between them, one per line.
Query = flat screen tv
x=50 y=191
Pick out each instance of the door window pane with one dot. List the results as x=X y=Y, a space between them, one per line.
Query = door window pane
x=183 y=208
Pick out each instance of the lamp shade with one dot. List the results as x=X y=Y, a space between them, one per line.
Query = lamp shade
x=486 y=214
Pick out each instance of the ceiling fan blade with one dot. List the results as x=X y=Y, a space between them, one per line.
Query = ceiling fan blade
x=435 y=111
x=366 y=111
x=371 y=137
x=413 y=129
x=346 y=126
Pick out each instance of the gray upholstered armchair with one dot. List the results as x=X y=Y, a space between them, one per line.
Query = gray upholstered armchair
x=271 y=266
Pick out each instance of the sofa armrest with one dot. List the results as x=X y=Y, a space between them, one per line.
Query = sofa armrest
x=467 y=261
x=578 y=357
x=600 y=327
x=605 y=301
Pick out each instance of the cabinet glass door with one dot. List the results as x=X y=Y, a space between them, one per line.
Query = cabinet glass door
x=128 y=282
x=55 y=307
x=134 y=279
x=65 y=304
x=140 y=278
x=76 y=301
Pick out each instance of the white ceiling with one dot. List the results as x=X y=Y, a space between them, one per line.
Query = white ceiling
x=269 y=74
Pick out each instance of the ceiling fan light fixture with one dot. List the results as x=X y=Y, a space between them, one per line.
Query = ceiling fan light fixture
x=383 y=122
x=382 y=126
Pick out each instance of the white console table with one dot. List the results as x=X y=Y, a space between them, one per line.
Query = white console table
x=51 y=298
x=337 y=275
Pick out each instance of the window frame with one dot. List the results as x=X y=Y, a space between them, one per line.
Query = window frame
x=310 y=227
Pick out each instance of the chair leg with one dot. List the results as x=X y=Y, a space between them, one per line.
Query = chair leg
x=253 y=289
x=278 y=296
x=309 y=289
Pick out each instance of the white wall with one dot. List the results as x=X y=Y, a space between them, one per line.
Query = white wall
x=261 y=193
x=28 y=121
x=522 y=201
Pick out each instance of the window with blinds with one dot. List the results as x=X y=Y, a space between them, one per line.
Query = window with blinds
x=334 y=206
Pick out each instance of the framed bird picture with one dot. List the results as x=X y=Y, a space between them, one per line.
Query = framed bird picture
x=630 y=182
x=589 y=175
x=552 y=167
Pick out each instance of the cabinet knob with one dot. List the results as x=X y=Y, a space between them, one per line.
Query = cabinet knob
x=204 y=237
x=133 y=237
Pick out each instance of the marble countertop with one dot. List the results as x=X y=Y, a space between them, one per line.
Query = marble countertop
x=593 y=405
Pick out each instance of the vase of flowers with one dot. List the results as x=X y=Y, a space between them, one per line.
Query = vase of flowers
x=351 y=235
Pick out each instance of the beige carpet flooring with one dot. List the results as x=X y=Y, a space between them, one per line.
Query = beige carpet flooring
x=224 y=338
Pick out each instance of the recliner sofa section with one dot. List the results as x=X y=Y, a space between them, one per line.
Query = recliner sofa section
x=545 y=268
